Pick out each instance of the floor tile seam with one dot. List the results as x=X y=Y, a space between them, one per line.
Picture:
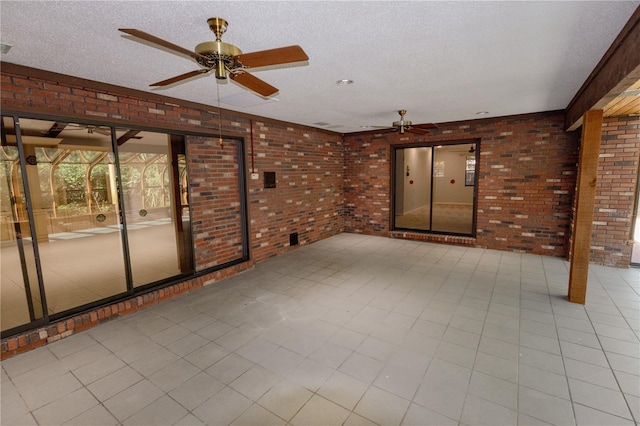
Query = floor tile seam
x=79 y=414
x=253 y=401
x=475 y=359
x=165 y=394
x=626 y=400
x=604 y=412
x=434 y=410
x=62 y=341
x=573 y=402
x=60 y=397
x=287 y=421
x=630 y=412
x=73 y=371
x=626 y=320
x=312 y=394
x=22 y=397
x=606 y=290
x=554 y=396
x=101 y=403
x=11 y=377
x=482 y=397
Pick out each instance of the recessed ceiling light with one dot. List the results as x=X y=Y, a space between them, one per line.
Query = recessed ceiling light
x=482 y=112
x=344 y=82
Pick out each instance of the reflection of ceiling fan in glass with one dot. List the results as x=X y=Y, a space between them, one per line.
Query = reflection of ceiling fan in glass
x=59 y=127
x=90 y=128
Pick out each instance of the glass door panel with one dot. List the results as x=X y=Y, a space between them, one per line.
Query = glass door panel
x=72 y=183
x=452 y=196
x=20 y=298
x=151 y=166
x=413 y=188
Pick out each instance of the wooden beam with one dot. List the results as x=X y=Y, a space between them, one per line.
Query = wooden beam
x=618 y=69
x=131 y=134
x=584 y=205
x=55 y=129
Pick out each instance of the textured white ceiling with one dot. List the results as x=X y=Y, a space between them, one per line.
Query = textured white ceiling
x=442 y=61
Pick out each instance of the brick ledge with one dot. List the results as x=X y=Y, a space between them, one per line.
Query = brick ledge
x=434 y=238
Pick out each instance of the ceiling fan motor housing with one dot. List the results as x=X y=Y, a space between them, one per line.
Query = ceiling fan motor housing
x=219 y=56
x=402 y=125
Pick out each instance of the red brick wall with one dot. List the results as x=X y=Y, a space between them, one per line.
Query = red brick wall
x=308 y=195
x=308 y=162
x=615 y=191
x=527 y=175
x=215 y=201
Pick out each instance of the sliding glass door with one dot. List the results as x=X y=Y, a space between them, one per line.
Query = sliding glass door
x=88 y=213
x=435 y=188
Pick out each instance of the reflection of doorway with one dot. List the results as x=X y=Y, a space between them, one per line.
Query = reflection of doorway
x=435 y=188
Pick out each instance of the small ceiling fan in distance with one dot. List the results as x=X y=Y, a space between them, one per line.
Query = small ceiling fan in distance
x=403 y=125
x=225 y=59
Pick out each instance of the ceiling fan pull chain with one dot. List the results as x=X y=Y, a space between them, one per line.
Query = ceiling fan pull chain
x=220 y=140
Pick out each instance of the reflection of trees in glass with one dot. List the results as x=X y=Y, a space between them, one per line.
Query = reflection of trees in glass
x=69 y=183
x=155 y=182
x=130 y=175
x=9 y=161
x=100 y=189
x=182 y=172
x=66 y=178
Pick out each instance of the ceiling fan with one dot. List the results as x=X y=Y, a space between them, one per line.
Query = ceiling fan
x=406 y=126
x=225 y=59
x=58 y=127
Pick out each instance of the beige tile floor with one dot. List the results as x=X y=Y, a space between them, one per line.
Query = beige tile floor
x=354 y=330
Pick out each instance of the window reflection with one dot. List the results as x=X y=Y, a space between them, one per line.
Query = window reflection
x=156 y=233
x=76 y=188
